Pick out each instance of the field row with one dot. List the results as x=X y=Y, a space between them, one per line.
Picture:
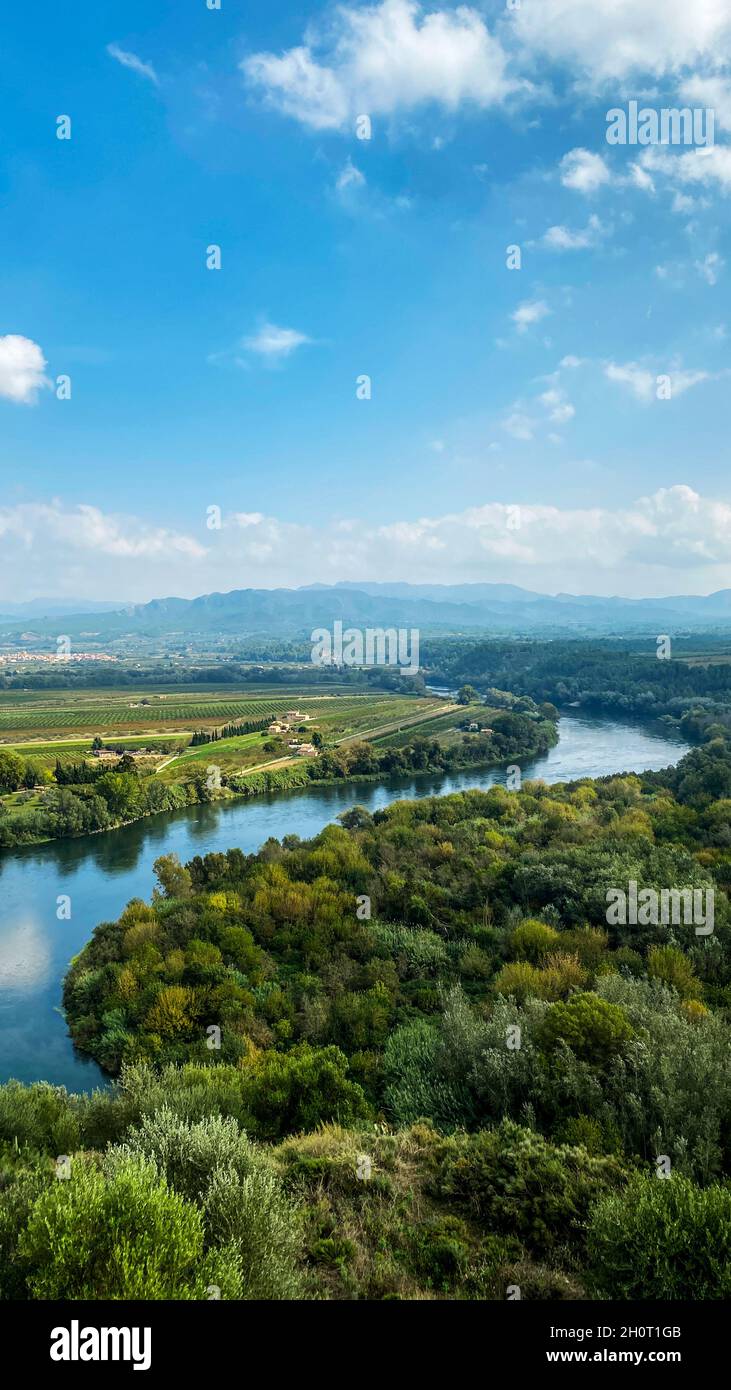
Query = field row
x=183 y=713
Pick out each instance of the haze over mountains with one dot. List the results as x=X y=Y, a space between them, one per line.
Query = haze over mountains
x=472 y=608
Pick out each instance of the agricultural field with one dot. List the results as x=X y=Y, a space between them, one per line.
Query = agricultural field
x=342 y=723
x=442 y=724
x=60 y=725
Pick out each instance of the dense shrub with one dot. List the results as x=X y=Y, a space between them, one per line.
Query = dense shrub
x=594 y=1029
x=214 y=1164
x=517 y=1183
x=662 y=1239
x=121 y=1234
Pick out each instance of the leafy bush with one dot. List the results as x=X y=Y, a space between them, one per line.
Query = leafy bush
x=518 y=980
x=124 y=1235
x=43 y=1117
x=214 y=1164
x=533 y=940
x=662 y=1239
x=667 y=963
x=300 y=1089
x=594 y=1029
x=517 y=1183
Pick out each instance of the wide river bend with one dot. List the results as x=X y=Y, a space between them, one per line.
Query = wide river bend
x=100 y=873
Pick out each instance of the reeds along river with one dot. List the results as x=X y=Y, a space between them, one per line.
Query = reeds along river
x=100 y=873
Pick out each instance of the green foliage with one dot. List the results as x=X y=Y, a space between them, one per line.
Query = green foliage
x=662 y=1239
x=534 y=940
x=213 y=1164
x=286 y=1092
x=530 y=1058
x=121 y=1234
x=517 y=1183
x=594 y=1029
x=668 y=964
x=174 y=880
x=40 y=1117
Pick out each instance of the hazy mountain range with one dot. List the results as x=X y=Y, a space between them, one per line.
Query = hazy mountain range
x=285 y=613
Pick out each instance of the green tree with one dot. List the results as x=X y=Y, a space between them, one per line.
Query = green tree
x=12 y=769
x=594 y=1029
x=173 y=877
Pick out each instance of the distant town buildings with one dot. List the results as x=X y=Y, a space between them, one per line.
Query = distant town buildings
x=53 y=658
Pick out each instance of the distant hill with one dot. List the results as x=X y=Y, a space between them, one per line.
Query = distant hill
x=290 y=613
x=48 y=607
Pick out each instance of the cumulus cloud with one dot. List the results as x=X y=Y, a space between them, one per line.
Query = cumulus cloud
x=552 y=406
x=529 y=312
x=49 y=547
x=519 y=426
x=560 y=410
x=707 y=166
x=274 y=344
x=643 y=545
x=713 y=93
x=609 y=41
x=584 y=171
x=674 y=528
x=130 y=60
x=710 y=267
x=560 y=238
x=638 y=548
x=22 y=369
x=87 y=528
x=383 y=58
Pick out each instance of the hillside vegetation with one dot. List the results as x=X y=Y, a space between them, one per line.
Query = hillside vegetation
x=410 y=1058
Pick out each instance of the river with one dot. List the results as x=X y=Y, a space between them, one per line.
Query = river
x=100 y=873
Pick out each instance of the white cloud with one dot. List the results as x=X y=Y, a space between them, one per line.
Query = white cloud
x=22 y=369
x=564 y=239
x=559 y=409
x=640 y=178
x=707 y=166
x=642 y=383
x=349 y=177
x=273 y=343
x=713 y=93
x=710 y=267
x=614 y=39
x=529 y=312
x=519 y=426
x=130 y=60
x=383 y=58
x=584 y=171
x=82 y=545
x=638 y=548
x=634 y=548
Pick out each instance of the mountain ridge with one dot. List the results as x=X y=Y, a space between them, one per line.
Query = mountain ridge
x=468 y=608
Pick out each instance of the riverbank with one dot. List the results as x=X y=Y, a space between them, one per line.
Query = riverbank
x=120 y=797
x=100 y=874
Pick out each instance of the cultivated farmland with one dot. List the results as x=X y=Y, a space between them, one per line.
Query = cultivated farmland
x=48 y=722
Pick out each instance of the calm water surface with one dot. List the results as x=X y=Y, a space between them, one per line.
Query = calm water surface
x=100 y=873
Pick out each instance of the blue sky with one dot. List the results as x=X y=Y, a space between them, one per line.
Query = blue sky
x=513 y=431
